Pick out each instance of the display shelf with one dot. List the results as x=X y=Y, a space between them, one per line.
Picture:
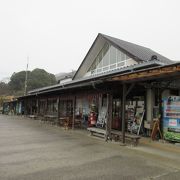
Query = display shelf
x=130 y=112
x=171 y=119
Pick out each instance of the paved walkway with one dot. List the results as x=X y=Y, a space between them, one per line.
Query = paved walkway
x=30 y=151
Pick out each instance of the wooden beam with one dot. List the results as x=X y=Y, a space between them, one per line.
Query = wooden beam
x=147 y=73
x=123 y=111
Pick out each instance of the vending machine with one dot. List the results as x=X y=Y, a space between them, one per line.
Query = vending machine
x=171 y=118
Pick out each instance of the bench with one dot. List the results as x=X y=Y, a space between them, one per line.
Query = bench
x=50 y=118
x=132 y=137
x=115 y=134
x=67 y=122
x=97 y=131
x=33 y=117
x=77 y=123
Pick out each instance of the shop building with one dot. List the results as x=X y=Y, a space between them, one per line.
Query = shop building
x=119 y=86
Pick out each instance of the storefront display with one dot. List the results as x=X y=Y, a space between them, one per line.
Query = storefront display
x=102 y=117
x=171 y=118
x=134 y=116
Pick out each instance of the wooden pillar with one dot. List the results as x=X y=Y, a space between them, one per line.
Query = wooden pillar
x=30 y=102
x=46 y=107
x=110 y=114
x=58 y=109
x=107 y=119
x=150 y=100
x=25 y=106
x=74 y=111
x=123 y=112
x=161 y=112
x=37 y=106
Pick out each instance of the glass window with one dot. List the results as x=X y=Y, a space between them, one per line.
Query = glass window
x=109 y=58
x=118 y=56
x=105 y=53
x=112 y=55
x=127 y=57
x=123 y=57
x=106 y=59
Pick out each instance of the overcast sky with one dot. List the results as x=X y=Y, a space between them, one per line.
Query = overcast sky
x=57 y=34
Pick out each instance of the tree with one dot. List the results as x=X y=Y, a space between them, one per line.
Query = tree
x=40 y=78
x=17 y=81
x=37 y=78
x=4 y=88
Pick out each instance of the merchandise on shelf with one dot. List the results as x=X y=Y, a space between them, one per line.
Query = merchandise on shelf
x=130 y=118
x=134 y=116
x=171 y=118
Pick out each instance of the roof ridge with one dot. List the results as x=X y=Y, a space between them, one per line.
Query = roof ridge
x=104 y=35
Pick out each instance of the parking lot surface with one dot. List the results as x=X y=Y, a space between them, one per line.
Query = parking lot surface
x=30 y=150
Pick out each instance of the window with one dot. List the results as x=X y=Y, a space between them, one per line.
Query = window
x=119 y=56
x=99 y=60
x=123 y=57
x=105 y=53
x=109 y=58
x=113 y=55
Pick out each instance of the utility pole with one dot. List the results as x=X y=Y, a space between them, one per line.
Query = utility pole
x=26 y=77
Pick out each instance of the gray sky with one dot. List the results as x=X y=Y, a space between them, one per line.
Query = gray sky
x=57 y=34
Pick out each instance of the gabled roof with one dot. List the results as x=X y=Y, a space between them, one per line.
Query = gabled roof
x=138 y=53
x=141 y=54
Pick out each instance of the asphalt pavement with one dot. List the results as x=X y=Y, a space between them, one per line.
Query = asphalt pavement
x=30 y=150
